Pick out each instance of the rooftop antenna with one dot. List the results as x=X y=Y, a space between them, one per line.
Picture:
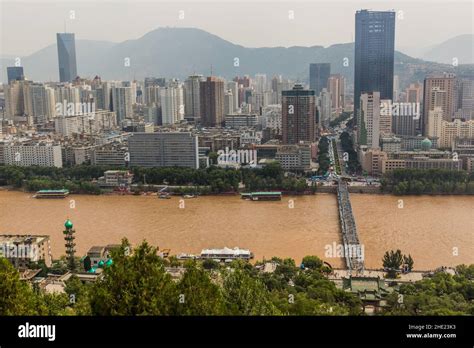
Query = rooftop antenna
x=211 y=69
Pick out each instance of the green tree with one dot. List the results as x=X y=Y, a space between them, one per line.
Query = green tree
x=16 y=297
x=312 y=262
x=135 y=284
x=197 y=295
x=392 y=261
x=246 y=295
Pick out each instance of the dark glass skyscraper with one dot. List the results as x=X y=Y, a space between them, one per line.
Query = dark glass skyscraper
x=374 y=52
x=318 y=76
x=66 y=57
x=15 y=73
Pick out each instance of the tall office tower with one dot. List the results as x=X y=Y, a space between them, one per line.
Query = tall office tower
x=374 y=54
x=155 y=81
x=172 y=105
x=174 y=149
x=336 y=84
x=260 y=83
x=234 y=88
x=438 y=92
x=325 y=108
x=66 y=57
x=14 y=101
x=211 y=95
x=369 y=120
x=122 y=101
x=192 y=106
x=228 y=102
x=318 y=76
x=414 y=93
x=15 y=73
x=152 y=95
x=298 y=115
x=385 y=123
x=396 y=88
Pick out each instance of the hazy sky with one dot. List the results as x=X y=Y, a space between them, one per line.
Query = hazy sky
x=27 y=26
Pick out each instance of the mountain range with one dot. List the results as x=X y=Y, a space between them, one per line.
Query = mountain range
x=179 y=52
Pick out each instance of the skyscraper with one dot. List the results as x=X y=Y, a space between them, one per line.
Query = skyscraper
x=66 y=57
x=298 y=115
x=211 y=94
x=15 y=73
x=318 y=76
x=374 y=54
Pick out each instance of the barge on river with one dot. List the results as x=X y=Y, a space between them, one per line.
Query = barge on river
x=51 y=194
x=262 y=196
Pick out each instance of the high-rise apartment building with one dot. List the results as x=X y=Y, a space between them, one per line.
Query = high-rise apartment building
x=298 y=115
x=374 y=54
x=172 y=105
x=234 y=88
x=369 y=120
x=192 y=100
x=122 y=101
x=336 y=85
x=325 y=108
x=211 y=94
x=66 y=57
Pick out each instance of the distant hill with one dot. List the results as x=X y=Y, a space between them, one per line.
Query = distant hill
x=461 y=47
x=179 y=52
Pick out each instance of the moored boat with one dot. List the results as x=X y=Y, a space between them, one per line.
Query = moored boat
x=51 y=194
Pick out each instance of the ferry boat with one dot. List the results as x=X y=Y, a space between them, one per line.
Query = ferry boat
x=226 y=254
x=262 y=196
x=51 y=194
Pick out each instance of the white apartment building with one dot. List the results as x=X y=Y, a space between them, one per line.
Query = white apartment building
x=33 y=154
